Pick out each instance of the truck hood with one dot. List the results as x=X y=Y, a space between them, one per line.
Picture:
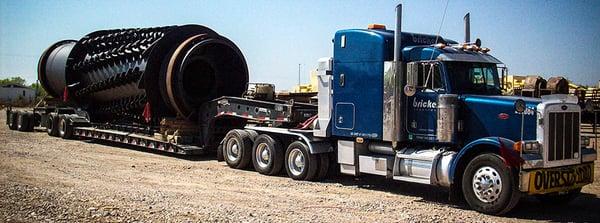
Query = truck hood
x=495 y=116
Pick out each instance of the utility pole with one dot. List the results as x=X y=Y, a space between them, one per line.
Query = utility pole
x=299 y=74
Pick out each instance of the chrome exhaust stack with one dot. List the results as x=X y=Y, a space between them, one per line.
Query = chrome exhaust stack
x=467 y=20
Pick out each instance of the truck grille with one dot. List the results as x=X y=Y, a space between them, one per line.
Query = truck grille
x=563 y=137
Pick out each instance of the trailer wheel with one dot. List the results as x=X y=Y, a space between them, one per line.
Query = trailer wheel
x=299 y=163
x=220 y=157
x=52 y=125
x=22 y=121
x=237 y=149
x=267 y=155
x=489 y=186
x=12 y=124
x=32 y=121
x=323 y=166
x=8 y=112
x=65 y=129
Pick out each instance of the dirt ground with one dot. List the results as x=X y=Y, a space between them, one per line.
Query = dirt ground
x=49 y=179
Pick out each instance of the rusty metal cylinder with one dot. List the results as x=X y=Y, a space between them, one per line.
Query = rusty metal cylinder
x=558 y=85
x=121 y=72
x=534 y=82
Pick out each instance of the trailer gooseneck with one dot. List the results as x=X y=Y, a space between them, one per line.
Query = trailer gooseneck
x=411 y=107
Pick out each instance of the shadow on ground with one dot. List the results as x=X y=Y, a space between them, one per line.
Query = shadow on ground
x=585 y=208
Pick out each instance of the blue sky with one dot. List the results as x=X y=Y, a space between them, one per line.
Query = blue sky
x=532 y=37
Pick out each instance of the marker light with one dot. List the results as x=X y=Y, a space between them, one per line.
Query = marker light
x=531 y=146
x=376 y=26
x=518 y=146
x=440 y=45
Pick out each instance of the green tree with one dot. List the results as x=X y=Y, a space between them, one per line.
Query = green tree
x=13 y=80
x=39 y=90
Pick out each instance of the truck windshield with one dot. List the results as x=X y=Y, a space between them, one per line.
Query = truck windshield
x=473 y=78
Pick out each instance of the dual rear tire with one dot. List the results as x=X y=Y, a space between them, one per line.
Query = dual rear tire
x=268 y=156
x=21 y=121
x=52 y=125
x=59 y=126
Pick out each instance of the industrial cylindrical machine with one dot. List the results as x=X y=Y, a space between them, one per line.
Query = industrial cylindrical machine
x=534 y=82
x=558 y=85
x=161 y=72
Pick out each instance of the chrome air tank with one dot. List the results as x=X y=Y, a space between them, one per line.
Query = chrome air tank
x=447 y=120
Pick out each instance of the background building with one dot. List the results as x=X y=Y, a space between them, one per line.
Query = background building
x=16 y=94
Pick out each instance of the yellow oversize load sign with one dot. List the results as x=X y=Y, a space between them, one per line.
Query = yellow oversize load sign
x=560 y=179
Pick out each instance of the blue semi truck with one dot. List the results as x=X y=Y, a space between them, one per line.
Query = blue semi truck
x=425 y=109
x=409 y=107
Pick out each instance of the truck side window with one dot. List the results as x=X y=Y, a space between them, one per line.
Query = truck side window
x=431 y=78
x=477 y=76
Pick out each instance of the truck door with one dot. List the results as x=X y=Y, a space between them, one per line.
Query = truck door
x=422 y=106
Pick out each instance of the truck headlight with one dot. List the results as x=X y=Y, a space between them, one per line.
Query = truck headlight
x=529 y=147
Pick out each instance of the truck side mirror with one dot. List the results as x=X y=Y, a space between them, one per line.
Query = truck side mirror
x=412 y=78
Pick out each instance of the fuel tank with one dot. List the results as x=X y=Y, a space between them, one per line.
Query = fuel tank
x=163 y=71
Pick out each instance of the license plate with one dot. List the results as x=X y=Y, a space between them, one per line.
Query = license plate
x=560 y=179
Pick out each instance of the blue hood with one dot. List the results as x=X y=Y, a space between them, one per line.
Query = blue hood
x=495 y=116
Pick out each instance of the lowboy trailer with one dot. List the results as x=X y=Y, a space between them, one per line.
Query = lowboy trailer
x=410 y=107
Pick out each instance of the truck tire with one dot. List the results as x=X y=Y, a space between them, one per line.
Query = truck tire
x=52 y=125
x=324 y=163
x=267 y=155
x=559 y=199
x=489 y=186
x=22 y=121
x=237 y=149
x=252 y=134
x=220 y=157
x=299 y=163
x=12 y=123
x=31 y=122
x=65 y=128
x=8 y=112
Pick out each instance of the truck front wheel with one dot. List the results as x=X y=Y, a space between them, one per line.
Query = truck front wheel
x=489 y=186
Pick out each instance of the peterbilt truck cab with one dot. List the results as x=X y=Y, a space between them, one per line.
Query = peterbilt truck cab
x=430 y=110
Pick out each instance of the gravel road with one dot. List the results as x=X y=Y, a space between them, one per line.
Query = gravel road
x=49 y=179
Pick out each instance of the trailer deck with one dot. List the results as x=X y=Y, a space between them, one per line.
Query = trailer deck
x=138 y=140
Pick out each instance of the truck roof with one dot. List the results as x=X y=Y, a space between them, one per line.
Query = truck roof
x=448 y=53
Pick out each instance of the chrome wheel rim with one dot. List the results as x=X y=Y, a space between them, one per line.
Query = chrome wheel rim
x=487 y=184
x=263 y=155
x=296 y=162
x=233 y=149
